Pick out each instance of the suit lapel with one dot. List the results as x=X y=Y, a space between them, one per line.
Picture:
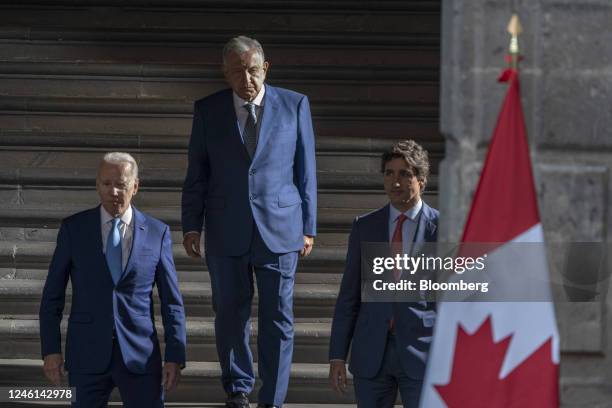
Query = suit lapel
x=268 y=120
x=382 y=235
x=383 y=231
x=95 y=245
x=425 y=228
x=96 y=242
x=138 y=239
x=228 y=115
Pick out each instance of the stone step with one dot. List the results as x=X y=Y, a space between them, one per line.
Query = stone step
x=156 y=108
x=22 y=296
x=49 y=48
x=201 y=381
x=45 y=208
x=36 y=214
x=170 y=177
x=28 y=67
x=19 y=338
x=404 y=91
x=37 y=255
x=179 y=124
x=199 y=274
x=75 y=168
x=175 y=405
x=142 y=38
x=364 y=23
x=45 y=233
x=27 y=184
x=46 y=189
x=35 y=140
x=422 y=128
x=163 y=158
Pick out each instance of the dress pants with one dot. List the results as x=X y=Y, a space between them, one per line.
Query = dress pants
x=136 y=390
x=381 y=391
x=232 y=293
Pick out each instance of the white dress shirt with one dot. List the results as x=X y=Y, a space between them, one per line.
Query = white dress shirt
x=408 y=228
x=126 y=226
x=242 y=114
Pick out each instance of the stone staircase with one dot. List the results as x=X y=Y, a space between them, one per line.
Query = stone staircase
x=77 y=80
x=24 y=269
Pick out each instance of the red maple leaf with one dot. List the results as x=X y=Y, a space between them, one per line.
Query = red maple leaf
x=475 y=381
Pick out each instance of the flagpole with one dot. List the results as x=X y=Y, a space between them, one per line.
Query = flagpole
x=514 y=28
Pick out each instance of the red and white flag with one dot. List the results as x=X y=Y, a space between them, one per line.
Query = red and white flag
x=499 y=354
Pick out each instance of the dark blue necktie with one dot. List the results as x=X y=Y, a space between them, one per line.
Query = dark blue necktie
x=113 y=251
x=250 y=130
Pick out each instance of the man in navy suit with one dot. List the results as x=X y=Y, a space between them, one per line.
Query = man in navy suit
x=113 y=255
x=251 y=180
x=389 y=341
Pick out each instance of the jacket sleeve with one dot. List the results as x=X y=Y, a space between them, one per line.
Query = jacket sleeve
x=54 y=295
x=195 y=186
x=349 y=299
x=172 y=310
x=305 y=168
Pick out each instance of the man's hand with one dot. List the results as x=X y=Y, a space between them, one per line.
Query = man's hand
x=308 y=244
x=171 y=374
x=337 y=376
x=54 y=368
x=191 y=242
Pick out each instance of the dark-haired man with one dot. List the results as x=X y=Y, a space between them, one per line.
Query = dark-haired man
x=390 y=341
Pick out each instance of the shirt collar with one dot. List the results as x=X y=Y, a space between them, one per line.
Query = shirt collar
x=410 y=213
x=258 y=101
x=126 y=218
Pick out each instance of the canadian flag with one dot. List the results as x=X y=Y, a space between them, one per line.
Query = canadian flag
x=494 y=353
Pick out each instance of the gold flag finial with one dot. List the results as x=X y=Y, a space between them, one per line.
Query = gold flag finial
x=514 y=28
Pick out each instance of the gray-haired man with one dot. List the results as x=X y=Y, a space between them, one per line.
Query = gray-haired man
x=252 y=180
x=113 y=255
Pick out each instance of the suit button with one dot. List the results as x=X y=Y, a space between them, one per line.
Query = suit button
x=251 y=172
x=252 y=197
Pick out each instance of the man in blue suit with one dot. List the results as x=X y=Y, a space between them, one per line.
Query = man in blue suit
x=389 y=341
x=251 y=182
x=113 y=255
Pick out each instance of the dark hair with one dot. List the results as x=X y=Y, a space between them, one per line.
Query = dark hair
x=413 y=154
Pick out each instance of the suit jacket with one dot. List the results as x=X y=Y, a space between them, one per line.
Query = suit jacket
x=277 y=189
x=98 y=305
x=366 y=324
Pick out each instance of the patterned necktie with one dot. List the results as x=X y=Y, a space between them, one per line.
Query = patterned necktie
x=113 y=251
x=250 y=130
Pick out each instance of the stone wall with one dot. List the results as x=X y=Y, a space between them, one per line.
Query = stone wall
x=566 y=79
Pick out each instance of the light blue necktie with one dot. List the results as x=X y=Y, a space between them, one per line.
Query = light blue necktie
x=113 y=251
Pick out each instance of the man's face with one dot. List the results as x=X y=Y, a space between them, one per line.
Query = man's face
x=401 y=184
x=245 y=73
x=115 y=187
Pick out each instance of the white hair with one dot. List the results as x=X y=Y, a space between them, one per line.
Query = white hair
x=242 y=44
x=122 y=158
